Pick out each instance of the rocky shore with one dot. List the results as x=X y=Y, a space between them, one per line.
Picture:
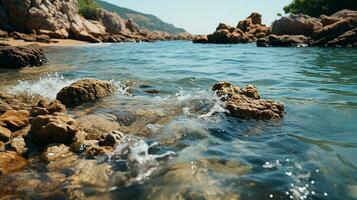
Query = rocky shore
x=44 y=21
x=337 y=30
x=38 y=133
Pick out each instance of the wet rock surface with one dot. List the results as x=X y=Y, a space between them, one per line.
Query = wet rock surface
x=17 y=57
x=15 y=120
x=56 y=128
x=10 y=161
x=246 y=103
x=84 y=91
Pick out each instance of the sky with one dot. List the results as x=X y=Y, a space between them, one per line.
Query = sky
x=203 y=16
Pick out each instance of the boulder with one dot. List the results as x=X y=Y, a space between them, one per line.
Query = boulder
x=283 y=41
x=25 y=56
x=227 y=35
x=97 y=127
x=112 y=22
x=11 y=161
x=15 y=120
x=5 y=134
x=58 y=156
x=132 y=26
x=22 y=36
x=296 y=25
x=18 y=145
x=347 y=39
x=11 y=102
x=246 y=103
x=112 y=139
x=56 y=128
x=345 y=13
x=327 y=20
x=84 y=91
x=200 y=39
x=253 y=19
x=332 y=31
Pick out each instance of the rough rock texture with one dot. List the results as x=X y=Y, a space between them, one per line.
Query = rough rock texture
x=18 y=145
x=16 y=57
x=84 y=91
x=56 y=128
x=15 y=120
x=296 y=25
x=246 y=103
x=337 y=30
x=97 y=127
x=11 y=102
x=247 y=30
x=333 y=31
x=283 y=41
x=10 y=161
x=60 y=19
x=5 y=134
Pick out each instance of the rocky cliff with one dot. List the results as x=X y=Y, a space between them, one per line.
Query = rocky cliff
x=60 y=19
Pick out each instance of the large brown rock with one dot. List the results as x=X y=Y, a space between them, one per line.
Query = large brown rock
x=16 y=57
x=246 y=103
x=332 y=31
x=296 y=25
x=248 y=30
x=56 y=128
x=15 y=120
x=348 y=38
x=10 y=161
x=84 y=91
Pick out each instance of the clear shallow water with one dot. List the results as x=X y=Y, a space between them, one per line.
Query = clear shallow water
x=310 y=153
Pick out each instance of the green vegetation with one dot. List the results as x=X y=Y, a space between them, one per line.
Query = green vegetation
x=316 y=8
x=87 y=8
x=149 y=22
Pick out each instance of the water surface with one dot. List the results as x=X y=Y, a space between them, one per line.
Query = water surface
x=310 y=154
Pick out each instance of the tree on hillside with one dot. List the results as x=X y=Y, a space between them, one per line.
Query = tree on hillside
x=87 y=8
x=316 y=8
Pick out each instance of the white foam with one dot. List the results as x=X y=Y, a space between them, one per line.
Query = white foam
x=201 y=104
x=47 y=86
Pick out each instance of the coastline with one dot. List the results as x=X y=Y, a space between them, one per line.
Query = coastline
x=55 y=43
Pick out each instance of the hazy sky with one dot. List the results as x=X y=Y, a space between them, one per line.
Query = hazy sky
x=202 y=16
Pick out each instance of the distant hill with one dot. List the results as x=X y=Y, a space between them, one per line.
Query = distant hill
x=147 y=21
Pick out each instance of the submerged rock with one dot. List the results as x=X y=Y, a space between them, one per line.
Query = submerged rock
x=10 y=161
x=11 y=102
x=58 y=157
x=84 y=91
x=56 y=128
x=97 y=127
x=25 y=56
x=246 y=103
